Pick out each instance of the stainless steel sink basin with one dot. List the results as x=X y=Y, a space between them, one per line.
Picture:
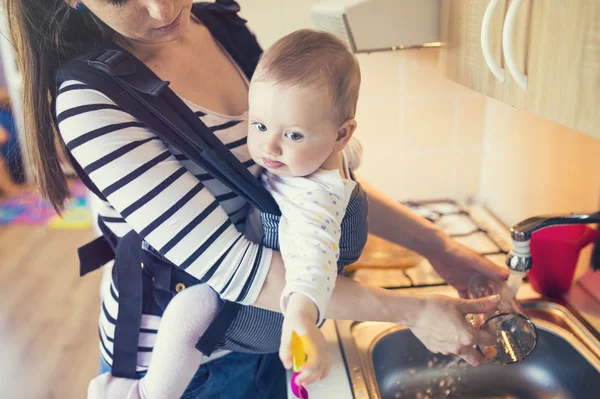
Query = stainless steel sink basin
x=388 y=362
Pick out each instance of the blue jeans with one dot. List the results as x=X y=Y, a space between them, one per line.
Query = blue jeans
x=235 y=376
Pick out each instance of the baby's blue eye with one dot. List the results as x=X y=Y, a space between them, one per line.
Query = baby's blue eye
x=260 y=127
x=294 y=136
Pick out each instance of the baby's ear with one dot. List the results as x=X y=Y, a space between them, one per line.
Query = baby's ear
x=344 y=134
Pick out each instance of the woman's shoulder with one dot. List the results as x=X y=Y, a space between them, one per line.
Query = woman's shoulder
x=80 y=109
x=75 y=93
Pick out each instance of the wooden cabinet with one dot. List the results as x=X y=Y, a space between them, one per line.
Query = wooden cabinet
x=461 y=58
x=563 y=63
x=555 y=43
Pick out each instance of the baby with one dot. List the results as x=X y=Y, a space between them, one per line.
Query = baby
x=302 y=103
x=301 y=119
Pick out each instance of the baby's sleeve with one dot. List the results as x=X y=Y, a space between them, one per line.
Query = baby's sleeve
x=309 y=236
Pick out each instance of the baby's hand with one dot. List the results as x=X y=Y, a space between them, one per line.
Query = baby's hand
x=300 y=317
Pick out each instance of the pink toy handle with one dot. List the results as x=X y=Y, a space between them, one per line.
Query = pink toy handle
x=299 y=391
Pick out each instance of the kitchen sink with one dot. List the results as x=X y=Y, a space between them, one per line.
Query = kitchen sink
x=386 y=361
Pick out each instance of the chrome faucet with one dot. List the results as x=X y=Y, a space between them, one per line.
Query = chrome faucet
x=519 y=259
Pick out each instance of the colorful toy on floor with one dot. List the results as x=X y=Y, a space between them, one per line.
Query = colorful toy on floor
x=30 y=209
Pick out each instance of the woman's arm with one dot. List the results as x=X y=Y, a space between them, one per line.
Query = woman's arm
x=350 y=300
x=165 y=200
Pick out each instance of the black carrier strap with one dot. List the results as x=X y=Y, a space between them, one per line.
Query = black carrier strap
x=135 y=88
x=94 y=255
x=128 y=259
x=215 y=333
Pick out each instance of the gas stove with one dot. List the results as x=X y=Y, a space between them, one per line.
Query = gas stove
x=470 y=225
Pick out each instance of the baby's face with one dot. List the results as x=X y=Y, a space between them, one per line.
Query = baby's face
x=290 y=129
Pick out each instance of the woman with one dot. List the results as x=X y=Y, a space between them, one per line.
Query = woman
x=186 y=215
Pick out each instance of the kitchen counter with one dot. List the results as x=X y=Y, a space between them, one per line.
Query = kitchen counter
x=337 y=385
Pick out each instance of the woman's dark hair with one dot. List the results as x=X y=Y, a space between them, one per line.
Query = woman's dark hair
x=45 y=33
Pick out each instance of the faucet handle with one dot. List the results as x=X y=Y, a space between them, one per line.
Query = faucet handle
x=522 y=231
x=519 y=258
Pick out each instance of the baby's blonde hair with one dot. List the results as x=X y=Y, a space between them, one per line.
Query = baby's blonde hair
x=311 y=58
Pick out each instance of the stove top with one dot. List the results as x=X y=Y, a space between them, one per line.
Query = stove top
x=470 y=225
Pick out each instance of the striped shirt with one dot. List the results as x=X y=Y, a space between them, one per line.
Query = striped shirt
x=179 y=209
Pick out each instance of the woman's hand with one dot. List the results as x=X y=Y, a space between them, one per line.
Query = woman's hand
x=440 y=324
x=458 y=264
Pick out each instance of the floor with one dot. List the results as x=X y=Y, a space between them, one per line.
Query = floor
x=48 y=314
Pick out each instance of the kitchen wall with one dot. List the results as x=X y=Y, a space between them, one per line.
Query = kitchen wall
x=422 y=133
x=534 y=166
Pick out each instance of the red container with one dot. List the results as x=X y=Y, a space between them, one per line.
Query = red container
x=554 y=252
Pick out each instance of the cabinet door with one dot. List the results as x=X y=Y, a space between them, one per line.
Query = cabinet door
x=461 y=58
x=556 y=44
x=563 y=63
